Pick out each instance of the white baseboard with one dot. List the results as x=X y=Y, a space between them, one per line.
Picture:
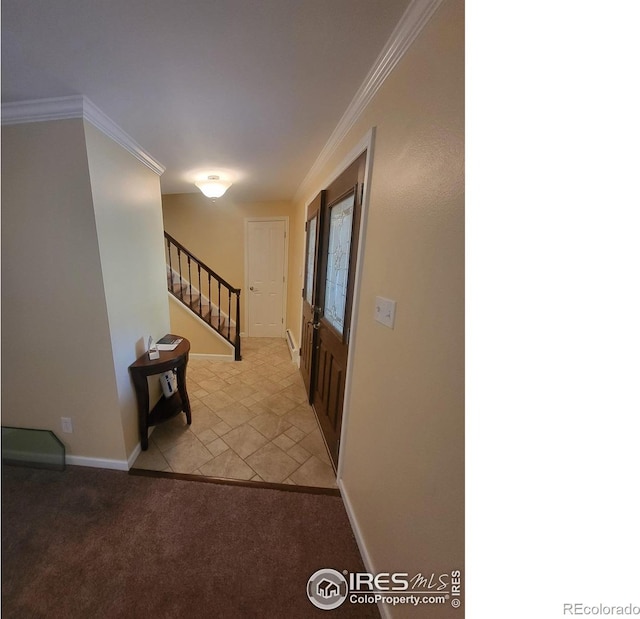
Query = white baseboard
x=366 y=558
x=98 y=463
x=106 y=463
x=134 y=454
x=292 y=345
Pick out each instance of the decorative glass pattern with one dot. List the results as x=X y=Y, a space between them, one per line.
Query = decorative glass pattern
x=311 y=253
x=335 y=296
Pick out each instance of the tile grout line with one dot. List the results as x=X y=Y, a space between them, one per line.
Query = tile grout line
x=230 y=381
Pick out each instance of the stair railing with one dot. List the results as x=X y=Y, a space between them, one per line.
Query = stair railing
x=204 y=292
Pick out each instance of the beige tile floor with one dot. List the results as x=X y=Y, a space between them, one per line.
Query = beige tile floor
x=250 y=421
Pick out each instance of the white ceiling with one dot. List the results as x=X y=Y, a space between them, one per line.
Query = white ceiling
x=252 y=87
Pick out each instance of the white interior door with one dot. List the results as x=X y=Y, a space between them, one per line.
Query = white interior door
x=266 y=252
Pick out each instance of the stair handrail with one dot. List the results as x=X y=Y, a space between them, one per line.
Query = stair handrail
x=236 y=342
x=209 y=270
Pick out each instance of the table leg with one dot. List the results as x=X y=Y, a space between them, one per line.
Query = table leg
x=182 y=390
x=142 y=397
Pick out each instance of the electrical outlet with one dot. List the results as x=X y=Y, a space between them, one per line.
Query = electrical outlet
x=385 y=312
x=67 y=426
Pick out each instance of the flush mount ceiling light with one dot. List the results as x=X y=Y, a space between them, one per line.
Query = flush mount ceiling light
x=213 y=186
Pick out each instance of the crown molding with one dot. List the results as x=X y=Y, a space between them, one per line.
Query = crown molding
x=102 y=122
x=414 y=19
x=76 y=106
x=37 y=110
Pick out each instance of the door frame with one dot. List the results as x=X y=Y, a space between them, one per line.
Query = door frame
x=247 y=221
x=366 y=143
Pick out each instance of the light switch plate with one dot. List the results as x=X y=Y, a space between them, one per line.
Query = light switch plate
x=385 y=312
x=67 y=426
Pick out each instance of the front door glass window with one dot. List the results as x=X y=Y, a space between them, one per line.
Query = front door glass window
x=311 y=252
x=340 y=227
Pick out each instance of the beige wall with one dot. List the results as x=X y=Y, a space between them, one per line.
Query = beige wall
x=127 y=205
x=403 y=454
x=83 y=283
x=201 y=338
x=297 y=240
x=56 y=348
x=214 y=231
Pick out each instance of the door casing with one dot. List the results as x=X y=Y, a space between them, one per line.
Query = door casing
x=365 y=144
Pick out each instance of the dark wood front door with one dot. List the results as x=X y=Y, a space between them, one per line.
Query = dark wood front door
x=326 y=338
x=309 y=292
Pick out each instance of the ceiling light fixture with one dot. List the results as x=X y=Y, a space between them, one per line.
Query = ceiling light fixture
x=213 y=187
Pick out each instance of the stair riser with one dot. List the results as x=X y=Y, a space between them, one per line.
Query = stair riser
x=182 y=289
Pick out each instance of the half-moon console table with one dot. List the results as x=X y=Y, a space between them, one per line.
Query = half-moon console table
x=165 y=408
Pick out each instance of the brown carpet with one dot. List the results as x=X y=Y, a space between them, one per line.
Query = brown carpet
x=97 y=543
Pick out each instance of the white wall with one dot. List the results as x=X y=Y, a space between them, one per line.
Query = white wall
x=128 y=212
x=56 y=348
x=83 y=284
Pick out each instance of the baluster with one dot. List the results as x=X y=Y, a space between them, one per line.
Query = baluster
x=189 y=289
x=209 y=296
x=199 y=290
x=180 y=273
x=229 y=315
x=170 y=269
x=190 y=286
x=238 y=353
x=219 y=305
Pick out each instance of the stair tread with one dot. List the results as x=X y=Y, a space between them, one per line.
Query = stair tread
x=211 y=318
x=200 y=305
x=213 y=321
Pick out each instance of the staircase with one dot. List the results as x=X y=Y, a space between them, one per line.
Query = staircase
x=212 y=299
